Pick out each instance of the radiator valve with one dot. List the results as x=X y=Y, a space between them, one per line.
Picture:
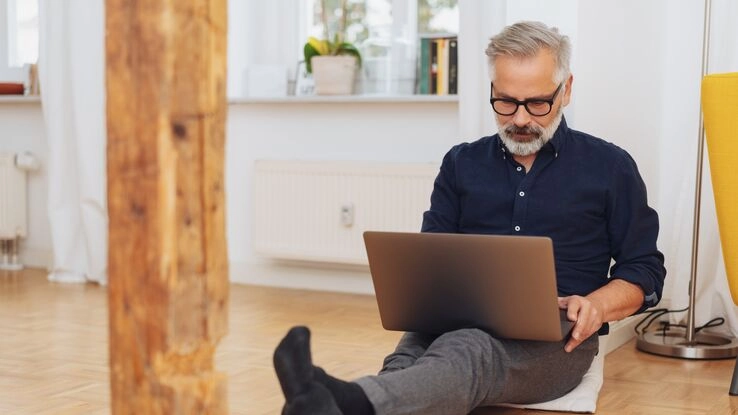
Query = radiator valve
x=347 y=214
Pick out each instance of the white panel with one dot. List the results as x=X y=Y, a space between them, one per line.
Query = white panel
x=297 y=206
x=12 y=198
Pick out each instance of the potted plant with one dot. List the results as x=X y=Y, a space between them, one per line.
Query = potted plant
x=333 y=63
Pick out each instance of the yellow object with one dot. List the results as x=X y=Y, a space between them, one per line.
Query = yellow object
x=320 y=45
x=720 y=112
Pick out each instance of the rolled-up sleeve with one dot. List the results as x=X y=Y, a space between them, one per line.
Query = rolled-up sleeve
x=633 y=229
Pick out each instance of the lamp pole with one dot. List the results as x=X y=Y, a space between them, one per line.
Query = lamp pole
x=675 y=341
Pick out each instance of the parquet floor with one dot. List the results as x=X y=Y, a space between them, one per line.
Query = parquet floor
x=53 y=353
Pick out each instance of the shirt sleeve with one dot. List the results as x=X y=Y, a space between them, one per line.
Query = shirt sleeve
x=633 y=228
x=443 y=215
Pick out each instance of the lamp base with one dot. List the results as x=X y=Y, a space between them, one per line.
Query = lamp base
x=673 y=343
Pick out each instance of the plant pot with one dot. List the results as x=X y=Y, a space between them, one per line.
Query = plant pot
x=334 y=75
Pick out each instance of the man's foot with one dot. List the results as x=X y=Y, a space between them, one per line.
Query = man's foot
x=293 y=362
x=317 y=400
x=294 y=366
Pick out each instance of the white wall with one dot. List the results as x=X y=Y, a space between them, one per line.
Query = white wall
x=394 y=132
x=22 y=129
x=637 y=84
x=619 y=82
x=389 y=132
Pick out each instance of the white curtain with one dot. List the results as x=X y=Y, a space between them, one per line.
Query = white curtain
x=71 y=68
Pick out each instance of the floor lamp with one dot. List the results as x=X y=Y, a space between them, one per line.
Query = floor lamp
x=686 y=342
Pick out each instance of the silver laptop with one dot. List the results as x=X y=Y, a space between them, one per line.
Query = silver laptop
x=436 y=282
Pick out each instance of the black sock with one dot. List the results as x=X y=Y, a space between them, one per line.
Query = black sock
x=294 y=366
x=308 y=389
x=293 y=362
x=349 y=396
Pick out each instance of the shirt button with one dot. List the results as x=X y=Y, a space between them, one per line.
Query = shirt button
x=519 y=168
x=517 y=228
x=521 y=194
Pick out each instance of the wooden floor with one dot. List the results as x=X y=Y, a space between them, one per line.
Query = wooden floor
x=53 y=352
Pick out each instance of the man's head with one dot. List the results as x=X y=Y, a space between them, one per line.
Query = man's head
x=529 y=63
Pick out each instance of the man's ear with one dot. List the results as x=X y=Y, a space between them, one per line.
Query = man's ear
x=567 y=91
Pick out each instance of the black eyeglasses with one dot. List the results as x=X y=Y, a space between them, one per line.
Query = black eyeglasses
x=535 y=106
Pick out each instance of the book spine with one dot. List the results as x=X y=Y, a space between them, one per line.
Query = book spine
x=442 y=78
x=453 y=66
x=424 y=67
x=432 y=81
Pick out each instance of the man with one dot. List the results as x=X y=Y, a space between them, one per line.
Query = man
x=535 y=177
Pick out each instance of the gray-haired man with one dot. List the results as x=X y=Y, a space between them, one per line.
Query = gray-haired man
x=535 y=177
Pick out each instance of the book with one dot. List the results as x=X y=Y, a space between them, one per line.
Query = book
x=437 y=64
x=433 y=76
x=11 y=88
x=424 y=66
x=453 y=66
x=442 y=72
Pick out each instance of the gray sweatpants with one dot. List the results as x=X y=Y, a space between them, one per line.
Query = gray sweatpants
x=461 y=370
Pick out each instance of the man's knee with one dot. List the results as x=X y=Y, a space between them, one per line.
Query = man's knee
x=474 y=344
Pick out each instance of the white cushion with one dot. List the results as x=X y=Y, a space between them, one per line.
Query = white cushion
x=583 y=398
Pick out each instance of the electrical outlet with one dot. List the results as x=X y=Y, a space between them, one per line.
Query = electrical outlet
x=347 y=214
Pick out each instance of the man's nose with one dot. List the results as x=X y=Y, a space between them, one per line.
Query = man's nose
x=521 y=117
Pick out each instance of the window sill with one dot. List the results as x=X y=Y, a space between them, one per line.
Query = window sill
x=341 y=99
x=19 y=99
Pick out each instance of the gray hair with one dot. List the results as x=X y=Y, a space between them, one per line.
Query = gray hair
x=525 y=40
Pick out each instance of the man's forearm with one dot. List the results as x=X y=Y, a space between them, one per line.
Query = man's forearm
x=618 y=299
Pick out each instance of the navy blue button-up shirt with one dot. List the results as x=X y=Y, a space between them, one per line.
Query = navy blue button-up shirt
x=584 y=193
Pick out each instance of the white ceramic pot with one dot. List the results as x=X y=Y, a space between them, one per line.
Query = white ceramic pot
x=334 y=75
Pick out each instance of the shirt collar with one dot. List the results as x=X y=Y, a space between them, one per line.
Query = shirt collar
x=557 y=141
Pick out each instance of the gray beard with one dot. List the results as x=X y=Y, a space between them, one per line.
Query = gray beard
x=542 y=135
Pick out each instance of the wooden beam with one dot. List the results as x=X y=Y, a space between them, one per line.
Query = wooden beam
x=167 y=265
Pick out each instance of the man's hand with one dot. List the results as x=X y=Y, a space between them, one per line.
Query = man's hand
x=588 y=315
x=616 y=300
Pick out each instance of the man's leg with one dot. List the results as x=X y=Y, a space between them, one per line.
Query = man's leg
x=409 y=349
x=467 y=368
x=458 y=372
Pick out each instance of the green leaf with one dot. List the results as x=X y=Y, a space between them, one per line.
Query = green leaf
x=309 y=51
x=346 y=48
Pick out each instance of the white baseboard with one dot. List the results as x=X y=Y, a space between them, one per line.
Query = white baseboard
x=304 y=275
x=620 y=333
x=35 y=258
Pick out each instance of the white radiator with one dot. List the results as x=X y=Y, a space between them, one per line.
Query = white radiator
x=12 y=198
x=13 y=221
x=317 y=210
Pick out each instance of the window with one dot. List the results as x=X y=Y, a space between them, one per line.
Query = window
x=22 y=35
x=18 y=38
x=368 y=19
x=386 y=33
x=438 y=16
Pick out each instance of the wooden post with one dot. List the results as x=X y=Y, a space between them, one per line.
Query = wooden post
x=168 y=292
